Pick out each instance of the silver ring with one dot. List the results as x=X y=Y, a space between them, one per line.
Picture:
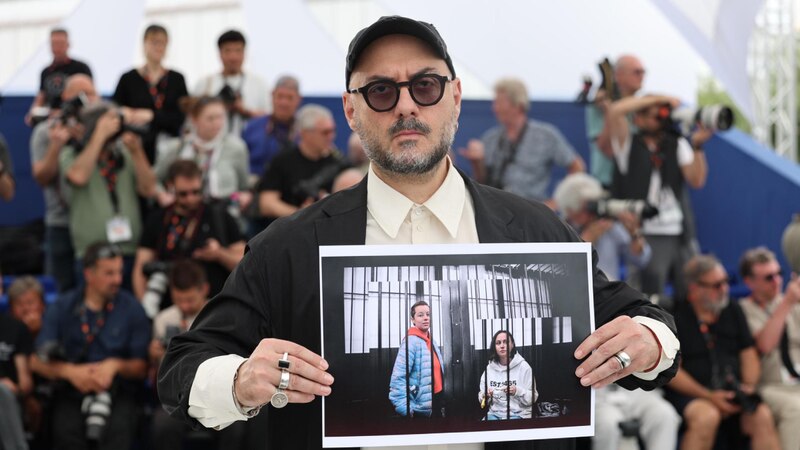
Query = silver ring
x=284 y=363
x=279 y=399
x=623 y=359
x=284 y=379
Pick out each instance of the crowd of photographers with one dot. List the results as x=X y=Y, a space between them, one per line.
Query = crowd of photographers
x=151 y=198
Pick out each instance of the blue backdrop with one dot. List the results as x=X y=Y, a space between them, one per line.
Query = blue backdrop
x=748 y=200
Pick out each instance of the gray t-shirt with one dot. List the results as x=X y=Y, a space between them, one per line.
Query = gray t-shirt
x=528 y=171
x=56 y=211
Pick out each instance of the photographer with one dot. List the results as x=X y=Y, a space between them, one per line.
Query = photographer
x=100 y=181
x=189 y=291
x=48 y=140
x=714 y=388
x=654 y=164
x=95 y=340
x=245 y=93
x=189 y=228
x=303 y=172
x=615 y=238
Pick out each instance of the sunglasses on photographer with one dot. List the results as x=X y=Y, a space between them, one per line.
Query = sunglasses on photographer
x=426 y=89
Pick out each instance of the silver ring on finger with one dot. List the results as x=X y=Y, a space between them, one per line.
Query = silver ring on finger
x=284 y=384
x=623 y=359
x=279 y=399
x=284 y=363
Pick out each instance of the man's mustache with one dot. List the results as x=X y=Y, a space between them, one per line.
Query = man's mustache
x=411 y=124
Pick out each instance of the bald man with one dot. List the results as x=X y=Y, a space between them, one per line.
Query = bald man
x=47 y=140
x=628 y=76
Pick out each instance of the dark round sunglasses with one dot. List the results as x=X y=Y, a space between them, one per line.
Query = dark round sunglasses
x=382 y=95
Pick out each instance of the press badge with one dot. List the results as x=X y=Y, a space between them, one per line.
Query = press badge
x=118 y=229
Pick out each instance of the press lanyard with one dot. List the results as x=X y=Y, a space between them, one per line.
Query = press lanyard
x=498 y=175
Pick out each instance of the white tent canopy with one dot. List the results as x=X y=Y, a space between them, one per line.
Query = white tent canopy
x=550 y=45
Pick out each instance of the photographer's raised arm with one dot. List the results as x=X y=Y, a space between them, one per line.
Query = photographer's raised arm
x=271 y=205
x=45 y=170
x=145 y=177
x=697 y=172
x=617 y=120
x=84 y=165
x=139 y=280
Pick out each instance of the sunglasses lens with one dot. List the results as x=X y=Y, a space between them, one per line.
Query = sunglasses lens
x=426 y=90
x=382 y=96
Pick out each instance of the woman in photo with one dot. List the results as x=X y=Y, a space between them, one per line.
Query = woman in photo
x=507 y=387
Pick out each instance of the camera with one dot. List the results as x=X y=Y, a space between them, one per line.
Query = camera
x=310 y=187
x=69 y=111
x=748 y=402
x=97 y=409
x=140 y=130
x=228 y=95
x=157 y=283
x=51 y=351
x=613 y=207
x=169 y=333
x=713 y=117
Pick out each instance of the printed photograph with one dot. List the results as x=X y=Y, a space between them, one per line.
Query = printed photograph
x=451 y=344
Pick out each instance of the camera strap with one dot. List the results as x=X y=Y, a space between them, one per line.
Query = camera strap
x=90 y=332
x=786 y=358
x=109 y=166
x=508 y=153
x=179 y=229
x=156 y=89
x=711 y=345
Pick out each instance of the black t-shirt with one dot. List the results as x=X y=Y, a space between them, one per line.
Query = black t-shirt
x=729 y=336
x=54 y=77
x=14 y=340
x=297 y=177
x=133 y=91
x=213 y=222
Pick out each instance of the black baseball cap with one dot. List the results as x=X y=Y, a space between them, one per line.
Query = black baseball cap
x=395 y=25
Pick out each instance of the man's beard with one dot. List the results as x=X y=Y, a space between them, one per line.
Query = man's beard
x=405 y=163
x=716 y=307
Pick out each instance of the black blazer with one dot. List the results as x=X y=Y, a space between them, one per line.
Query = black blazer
x=274 y=292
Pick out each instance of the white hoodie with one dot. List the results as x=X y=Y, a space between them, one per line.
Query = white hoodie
x=519 y=375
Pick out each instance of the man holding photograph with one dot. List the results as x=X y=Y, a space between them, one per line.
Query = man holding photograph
x=257 y=342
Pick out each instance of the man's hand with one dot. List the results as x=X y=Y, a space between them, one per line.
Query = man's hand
x=792 y=293
x=156 y=350
x=104 y=372
x=700 y=136
x=259 y=376
x=621 y=334
x=81 y=376
x=722 y=401
x=108 y=125
x=208 y=253
x=58 y=134
x=137 y=116
x=473 y=152
x=308 y=202
x=596 y=229
x=133 y=142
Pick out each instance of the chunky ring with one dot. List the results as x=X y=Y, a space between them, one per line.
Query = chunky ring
x=623 y=359
x=284 y=363
x=284 y=379
x=279 y=399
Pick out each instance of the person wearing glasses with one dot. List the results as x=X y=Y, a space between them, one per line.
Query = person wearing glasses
x=774 y=320
x=303 y=172
x=518 y=154
x=655 y=164
x=713 y=390
x=189 y=228
x=101 y=179
x=263 y=330
x=94 y=340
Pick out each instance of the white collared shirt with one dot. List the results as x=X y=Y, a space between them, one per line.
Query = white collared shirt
x=447 y=217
